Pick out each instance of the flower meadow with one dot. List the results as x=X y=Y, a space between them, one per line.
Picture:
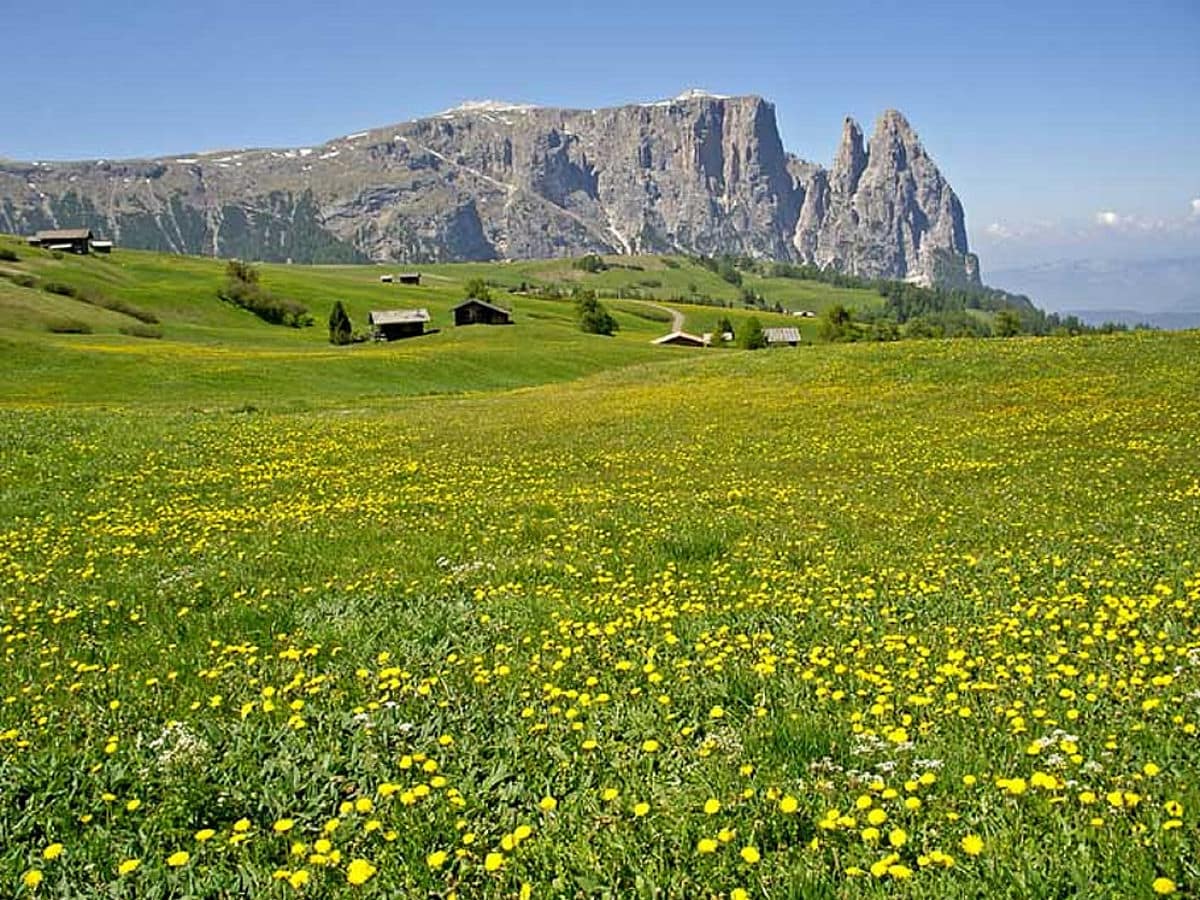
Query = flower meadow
x=917 y=620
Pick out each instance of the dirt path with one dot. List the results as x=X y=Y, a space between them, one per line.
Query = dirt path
x=676 y=315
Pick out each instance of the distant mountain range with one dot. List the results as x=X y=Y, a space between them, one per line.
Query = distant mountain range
x=1164 y=293
x=698 y=173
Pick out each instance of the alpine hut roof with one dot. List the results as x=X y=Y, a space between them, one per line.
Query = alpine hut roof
x=397 y=316
x=782 y=335
x=475 y=300
x=65 y=234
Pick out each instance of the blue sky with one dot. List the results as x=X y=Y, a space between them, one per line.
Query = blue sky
x=1065 y=125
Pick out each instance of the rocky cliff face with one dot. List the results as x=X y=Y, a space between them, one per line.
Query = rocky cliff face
x=696 y=174
x=885 y=210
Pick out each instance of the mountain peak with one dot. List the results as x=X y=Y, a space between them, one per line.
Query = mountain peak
x=477 y=106
x=699 y=94
x=892 y=121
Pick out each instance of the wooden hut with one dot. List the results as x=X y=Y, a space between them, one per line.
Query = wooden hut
x=394 y=324
x=409 y=278
x=479 y=312
x=67 y=240
x=780 y=337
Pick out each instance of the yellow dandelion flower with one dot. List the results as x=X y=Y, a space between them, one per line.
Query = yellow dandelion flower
x=32 y=879
x=283 y=826
x=127 y=866
x=436 y=859
x=178 y=858
x=972 y=845
x=493 y=861
x=706 y=845
x=788 y=804
x=360 y=871
x=750 y=854
x=640 y=809
x=712 y=806
x=547 y=804
x=53 y=851
x=1162 y=885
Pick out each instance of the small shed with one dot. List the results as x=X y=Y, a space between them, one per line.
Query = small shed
x=778 y=337
x=385 y=279
x=70 y=240
x=394 y=324
x=473 y=311
x=102 y=246
x=680 y=339
x=409 y=277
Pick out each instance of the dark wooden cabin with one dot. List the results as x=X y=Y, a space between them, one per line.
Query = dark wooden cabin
x=394 y=324
x=409 y=277
x=479 y=312
x=68 y=240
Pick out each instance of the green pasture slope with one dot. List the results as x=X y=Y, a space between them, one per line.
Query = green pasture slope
x=211 y=353
x=918 y=619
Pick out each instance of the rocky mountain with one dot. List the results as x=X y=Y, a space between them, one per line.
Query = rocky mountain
x=698 y=174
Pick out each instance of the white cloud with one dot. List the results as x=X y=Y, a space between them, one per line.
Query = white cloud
x=1196 y=208
x=997 y=230
x=1108 y=219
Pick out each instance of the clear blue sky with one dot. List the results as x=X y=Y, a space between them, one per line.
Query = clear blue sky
x=1043 y=115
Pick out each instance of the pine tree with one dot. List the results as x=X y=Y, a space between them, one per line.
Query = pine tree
x=340 y=329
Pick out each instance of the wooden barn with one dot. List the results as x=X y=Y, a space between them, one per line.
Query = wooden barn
x=479 y=312
x=68 y=240
x=394 y=324
x=680 y=339
x=409 y=278
x=779 y=337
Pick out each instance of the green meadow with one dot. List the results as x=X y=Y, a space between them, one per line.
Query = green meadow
x=524 y=612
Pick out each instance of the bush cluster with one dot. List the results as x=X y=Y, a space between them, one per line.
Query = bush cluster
x=593 y=317
x=243 y=290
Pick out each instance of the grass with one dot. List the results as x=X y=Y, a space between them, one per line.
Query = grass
x=918 y=619
x=210 y=353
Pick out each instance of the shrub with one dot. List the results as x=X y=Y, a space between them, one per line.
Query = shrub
x=590 y=263
x=68 y=326
x=20 y=279
x=7 y=255
x=478 y=289
x=593 y=318
x=57 y=287
x=141 y=331
x=1007 y=324
x=242 y=289
x=102 y=300
x=837 y=325
x=752 y=336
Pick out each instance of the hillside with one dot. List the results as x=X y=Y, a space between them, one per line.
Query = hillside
x=209 y=352
x=697 y=174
